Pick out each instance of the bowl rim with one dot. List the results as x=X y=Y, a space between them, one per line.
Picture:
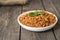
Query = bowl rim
x=36 y=27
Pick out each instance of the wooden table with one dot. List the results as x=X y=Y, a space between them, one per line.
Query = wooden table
x=10 y=29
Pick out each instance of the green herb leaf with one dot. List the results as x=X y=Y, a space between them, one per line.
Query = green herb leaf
x=41 y=13
x=33 y=14
x=36 y=13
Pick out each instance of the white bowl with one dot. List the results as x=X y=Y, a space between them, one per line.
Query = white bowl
x=33 y=28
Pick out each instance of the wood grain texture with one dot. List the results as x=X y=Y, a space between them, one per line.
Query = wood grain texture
x=9 y=28
x=53 y=6
x=49 y=6
x=57 y=28
x=28 y=35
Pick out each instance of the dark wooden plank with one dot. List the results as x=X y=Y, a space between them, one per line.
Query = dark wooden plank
x=27 y=35
x=53 y=6
x=56 y=4
x=3 y=20
x=57 y=29
x=50 y=7
x=9 y=28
